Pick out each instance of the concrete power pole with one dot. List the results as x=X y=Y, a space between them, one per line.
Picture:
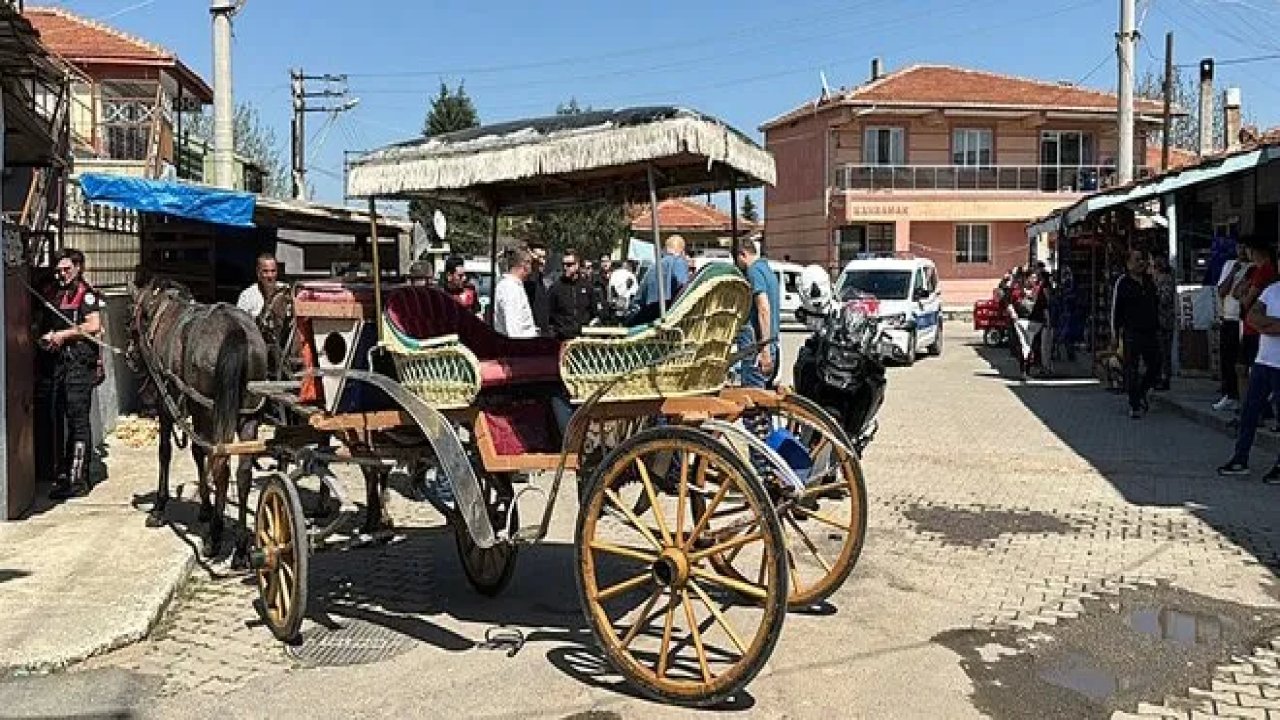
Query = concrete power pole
x=335 y=86
x=1125 y=40
x=223 y=102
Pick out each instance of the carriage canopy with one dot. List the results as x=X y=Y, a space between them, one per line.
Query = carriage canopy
x=526 y=165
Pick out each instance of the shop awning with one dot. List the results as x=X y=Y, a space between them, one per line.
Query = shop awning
x=1152 y=188
x=184 y=200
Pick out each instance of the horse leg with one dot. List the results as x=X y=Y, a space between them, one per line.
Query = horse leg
x=154 y=518
x=244 y=482
x=219 y=475
x=201 y=458
x=375 y=491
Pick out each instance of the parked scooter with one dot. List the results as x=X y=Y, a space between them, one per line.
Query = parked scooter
x=841 y=366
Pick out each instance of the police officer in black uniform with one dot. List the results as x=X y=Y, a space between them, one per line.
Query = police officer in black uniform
x=69 y=366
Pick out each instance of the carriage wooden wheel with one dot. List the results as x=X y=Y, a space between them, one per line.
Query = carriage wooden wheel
x=824 y=526
x=668 y=619
x=280 y=556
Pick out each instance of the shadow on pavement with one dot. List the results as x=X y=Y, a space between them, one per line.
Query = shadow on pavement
x=1160 y=460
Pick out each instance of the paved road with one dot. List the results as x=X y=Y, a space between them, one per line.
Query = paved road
x=1032 y=552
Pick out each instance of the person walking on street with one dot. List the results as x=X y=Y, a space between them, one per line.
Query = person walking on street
x=571 y=300
x=1262 y=272
x=1264 y=382
x=1167 y=297
x=1233 y=275
x=512 y=315
x=71 y=362
x=1135 y=319
x=254 y=298
x=760 y=369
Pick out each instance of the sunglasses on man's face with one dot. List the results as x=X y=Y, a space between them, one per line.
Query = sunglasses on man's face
x=66 y=268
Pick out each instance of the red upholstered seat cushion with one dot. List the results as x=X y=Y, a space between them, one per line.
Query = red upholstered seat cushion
x=522 y=426
x=425 y=313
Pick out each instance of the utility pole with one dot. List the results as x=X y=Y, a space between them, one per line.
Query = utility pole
x=223 y=105
x=1125 y=40
x=335 y=86
x=1167 y=120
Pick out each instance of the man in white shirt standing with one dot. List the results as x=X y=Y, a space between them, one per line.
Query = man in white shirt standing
x=254 y=298
x=1233 y=272
x=1264 y=381
x=512 y=315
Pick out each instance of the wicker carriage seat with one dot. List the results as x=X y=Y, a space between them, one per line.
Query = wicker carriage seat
x=422 y=313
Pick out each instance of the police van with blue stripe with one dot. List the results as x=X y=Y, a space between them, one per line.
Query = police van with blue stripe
x=910 y=300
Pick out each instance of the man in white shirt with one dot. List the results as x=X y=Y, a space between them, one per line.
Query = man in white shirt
x=1264 y=380
x=512 y=315
x=254 y=298
x=1233 y=272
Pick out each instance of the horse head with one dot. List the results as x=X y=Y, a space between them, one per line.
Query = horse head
x=150 y=296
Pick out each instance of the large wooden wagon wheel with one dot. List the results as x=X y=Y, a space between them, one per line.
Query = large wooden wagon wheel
x=280 y=556
x=826 y=525
x=668 y=620
x=489 y=569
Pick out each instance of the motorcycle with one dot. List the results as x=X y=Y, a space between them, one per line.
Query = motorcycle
x=841 y=366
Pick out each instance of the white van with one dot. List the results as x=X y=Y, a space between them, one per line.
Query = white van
x=910 y=300
x=788 y=283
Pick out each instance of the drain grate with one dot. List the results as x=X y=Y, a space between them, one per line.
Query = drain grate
x=354 y=642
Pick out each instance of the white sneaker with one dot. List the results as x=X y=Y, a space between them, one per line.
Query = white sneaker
x=1226 y=404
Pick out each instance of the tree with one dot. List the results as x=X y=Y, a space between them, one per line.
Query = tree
x=254 y=140
x=749 y=212
x=1184 y=132
x=469 y=227
x=593 y=230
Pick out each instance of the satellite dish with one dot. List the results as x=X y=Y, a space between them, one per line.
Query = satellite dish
x=439 y=225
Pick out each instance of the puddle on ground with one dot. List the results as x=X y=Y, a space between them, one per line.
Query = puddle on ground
x=1184 y=628
x=1083 y=674
x=975 y=526
x=1142 y=645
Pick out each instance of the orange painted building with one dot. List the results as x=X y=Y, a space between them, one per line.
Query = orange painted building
x=942 y=162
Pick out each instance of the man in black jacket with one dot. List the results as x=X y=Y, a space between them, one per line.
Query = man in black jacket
x=571 y=300
x=1135 y=318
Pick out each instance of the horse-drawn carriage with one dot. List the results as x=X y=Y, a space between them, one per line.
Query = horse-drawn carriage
x=704 y=510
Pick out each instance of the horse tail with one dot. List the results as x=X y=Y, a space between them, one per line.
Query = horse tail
x=229 y=375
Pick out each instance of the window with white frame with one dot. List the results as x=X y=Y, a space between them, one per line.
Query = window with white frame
x=884 y=146
x=973 y=244
x=971 y=146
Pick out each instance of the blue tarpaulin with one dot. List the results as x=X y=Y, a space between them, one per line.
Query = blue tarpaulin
x=193 y=202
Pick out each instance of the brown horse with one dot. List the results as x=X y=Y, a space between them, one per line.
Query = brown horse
x=201 y=358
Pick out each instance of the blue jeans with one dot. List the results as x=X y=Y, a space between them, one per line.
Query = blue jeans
x=750 y=374
x=1264 y=381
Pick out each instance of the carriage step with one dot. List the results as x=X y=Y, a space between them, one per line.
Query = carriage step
x=273 y=387
x=528 y=533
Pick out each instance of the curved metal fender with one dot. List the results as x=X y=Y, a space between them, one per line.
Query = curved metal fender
x=444 y=441
x=775 y=460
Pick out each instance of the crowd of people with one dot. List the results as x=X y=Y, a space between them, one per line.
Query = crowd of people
x=1045 y=318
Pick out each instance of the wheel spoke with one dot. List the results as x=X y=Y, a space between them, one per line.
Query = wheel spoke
x=286 y=592
x=791 y=570
x=820 y=518
x=697 y=635
x=734 y=544
x=804 y=537
x=623 y=551
x=754 y=591
x=706 y=514
x=720 y=618
x=643 y=619
x=653 y=502
x=625 y=586
x=682 y=495
x=665 y=648
x=631 y=517
x=819 y=489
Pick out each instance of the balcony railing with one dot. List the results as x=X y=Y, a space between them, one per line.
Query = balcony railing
x=1011 y=178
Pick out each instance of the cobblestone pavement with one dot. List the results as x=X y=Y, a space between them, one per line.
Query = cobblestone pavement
x=1008 y=513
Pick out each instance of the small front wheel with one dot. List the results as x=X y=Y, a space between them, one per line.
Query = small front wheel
x=993 y=337
x=668 y=620
x=280 y=556
x=488 y=570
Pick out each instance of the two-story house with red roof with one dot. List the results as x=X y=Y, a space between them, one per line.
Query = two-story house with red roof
x=940 y=162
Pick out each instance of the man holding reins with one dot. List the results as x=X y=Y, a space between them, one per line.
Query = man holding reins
x=68 y=371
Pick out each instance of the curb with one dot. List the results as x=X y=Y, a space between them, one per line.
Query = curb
x=1265 y=438
x=122 y=638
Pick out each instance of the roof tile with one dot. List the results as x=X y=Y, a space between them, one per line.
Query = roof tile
x=688 y=215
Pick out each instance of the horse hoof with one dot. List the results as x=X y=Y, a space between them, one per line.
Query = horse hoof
x=155 y=518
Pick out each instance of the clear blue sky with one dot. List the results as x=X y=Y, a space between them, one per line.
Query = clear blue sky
x=743 y=61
